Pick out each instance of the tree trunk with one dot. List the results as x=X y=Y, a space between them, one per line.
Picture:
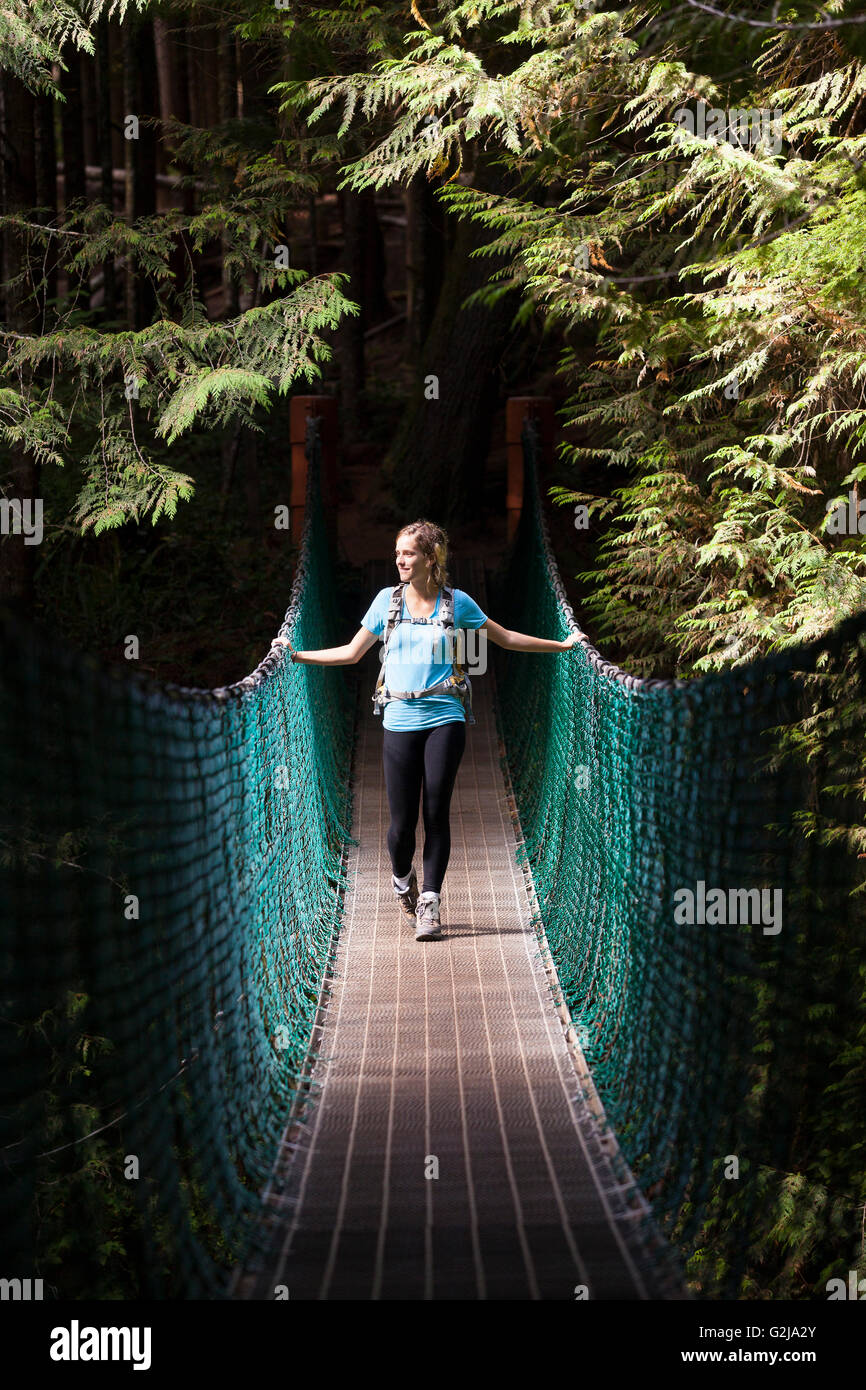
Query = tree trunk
x=141 y=99
x=227 y=77
x=72 y=124
x=364 y=260
x=349 y=338
x=378 y=306
x=240 y=78
x=425 y=261
x=227 y=87
x=436 y=461
x=72 y=131
x=106 y=162
x=312 y=211
x=173 y=86
x=19 y=472
x=252 y=489
x=46 y=196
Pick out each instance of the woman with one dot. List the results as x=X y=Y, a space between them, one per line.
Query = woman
x=424 y=738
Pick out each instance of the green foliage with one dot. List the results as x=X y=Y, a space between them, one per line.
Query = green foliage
x=105 y=399
x=722 y=552
x=710 y=302
x=101 y=397
x=791 y=1221
x=85 y=1213
x=90 y=1228
x=33 y=34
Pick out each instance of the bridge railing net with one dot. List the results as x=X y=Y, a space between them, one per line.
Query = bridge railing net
x=170 y=881
x=718 y=1038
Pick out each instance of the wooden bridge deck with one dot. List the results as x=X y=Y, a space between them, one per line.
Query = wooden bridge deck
x=450 y=1057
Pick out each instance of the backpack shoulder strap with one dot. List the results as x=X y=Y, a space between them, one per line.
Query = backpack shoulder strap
x=395 y=609
x=447 y=619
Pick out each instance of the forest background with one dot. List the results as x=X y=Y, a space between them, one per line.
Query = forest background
x=654 y=213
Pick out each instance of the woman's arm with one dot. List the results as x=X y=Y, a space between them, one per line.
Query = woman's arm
x=522 y=642
x=347 y=655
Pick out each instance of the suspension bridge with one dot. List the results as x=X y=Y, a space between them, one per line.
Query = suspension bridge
x=307 y=1103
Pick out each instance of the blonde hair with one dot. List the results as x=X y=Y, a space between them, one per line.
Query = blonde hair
x=432 y=541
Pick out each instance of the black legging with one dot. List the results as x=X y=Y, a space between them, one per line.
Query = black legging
x=410 y=756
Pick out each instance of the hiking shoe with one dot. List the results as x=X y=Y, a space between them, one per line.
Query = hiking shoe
x=428 y=926
x=409 y=898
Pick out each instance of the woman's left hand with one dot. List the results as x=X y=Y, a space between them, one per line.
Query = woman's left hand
x=570 y=642
x=284 y=642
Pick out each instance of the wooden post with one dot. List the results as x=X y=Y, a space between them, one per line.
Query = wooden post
x=517 y=409
x=300 y=409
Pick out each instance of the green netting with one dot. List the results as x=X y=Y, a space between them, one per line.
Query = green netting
x=716 y=1039
x=225 y=813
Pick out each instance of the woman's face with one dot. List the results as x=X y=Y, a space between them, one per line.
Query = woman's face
x=411 y=563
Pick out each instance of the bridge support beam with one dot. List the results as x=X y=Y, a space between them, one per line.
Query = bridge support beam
x=301 y=408
x=518 y=409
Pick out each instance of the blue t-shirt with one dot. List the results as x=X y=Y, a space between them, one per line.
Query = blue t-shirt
x=419 y=656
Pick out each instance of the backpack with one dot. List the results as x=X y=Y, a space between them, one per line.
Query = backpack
x=455 y=684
